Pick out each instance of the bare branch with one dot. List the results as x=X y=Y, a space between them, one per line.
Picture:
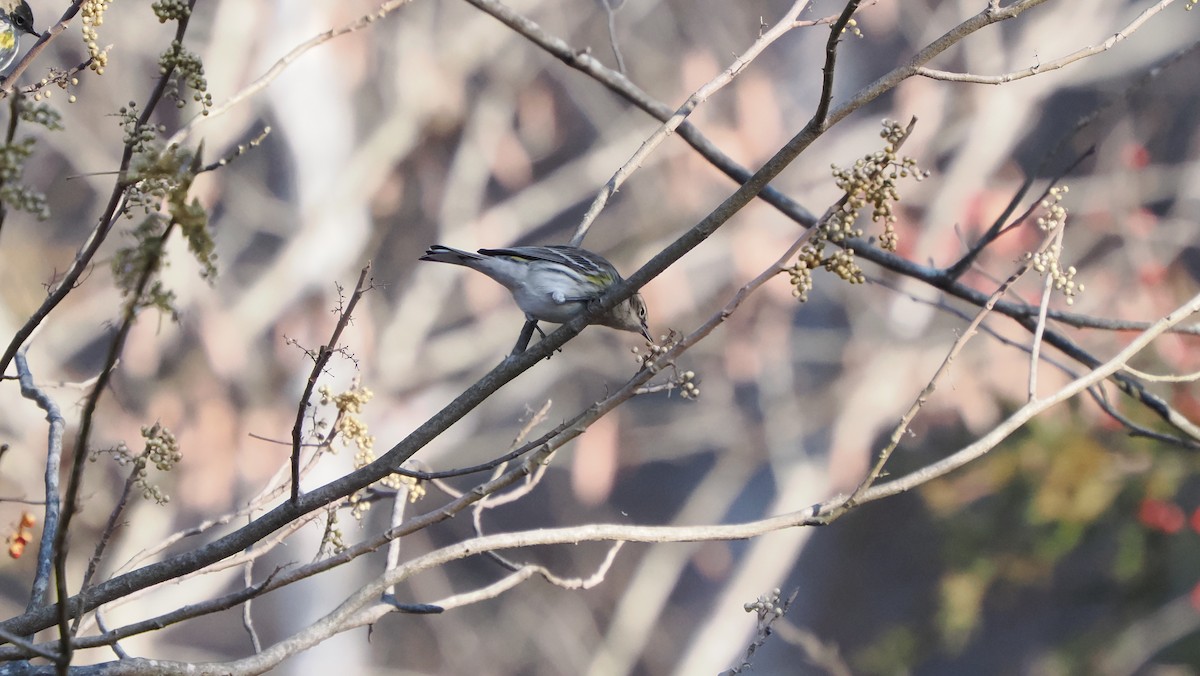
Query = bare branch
x=54 y=448
x=1040 y=68
x=282 y=64
x=781 y=27
x=322 y=358
x=1034 y=408
x=898 y=433
x=1174 y=378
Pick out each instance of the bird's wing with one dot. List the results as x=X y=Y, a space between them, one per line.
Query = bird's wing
x=539 y=253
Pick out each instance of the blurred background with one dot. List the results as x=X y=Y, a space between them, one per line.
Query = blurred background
x=1067 y=550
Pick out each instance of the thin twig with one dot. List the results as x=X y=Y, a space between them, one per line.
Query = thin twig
x=322 y=358
x=110 y=527
x=1034 y=408
x=610 y=9
x=115 y=645
x=1002 y=224
x=781 y=27
x=902 y=427
x=282 y=64
x=399 y=505
x=497 y=499
x=260 y=549
x=247 y=616
x=1097 y=394
x=1055 y=240
x=1173 y=378
x=1039 y=68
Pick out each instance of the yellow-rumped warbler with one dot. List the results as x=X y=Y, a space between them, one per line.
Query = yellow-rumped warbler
x=15 y=18
x=551 y=283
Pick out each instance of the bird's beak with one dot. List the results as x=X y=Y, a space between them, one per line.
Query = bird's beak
x=646 y=334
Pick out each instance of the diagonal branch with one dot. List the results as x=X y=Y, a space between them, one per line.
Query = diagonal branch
x=1039 y=68
x=1034 y=408
x=322 y=358
x=781 y=27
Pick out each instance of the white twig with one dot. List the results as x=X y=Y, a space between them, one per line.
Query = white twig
x=785 y=24
x=1173 y=378
x=1033 y=408
x=1040 y=327
x=282 y=64
x=1039 y=68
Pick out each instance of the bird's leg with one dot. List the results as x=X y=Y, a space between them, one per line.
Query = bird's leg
x=531 y=325
x=525 y=337
x=543 y=335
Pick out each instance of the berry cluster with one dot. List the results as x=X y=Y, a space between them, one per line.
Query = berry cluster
x=870 y=182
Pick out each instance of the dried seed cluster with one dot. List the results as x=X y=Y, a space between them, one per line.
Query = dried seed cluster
x=1049 y=262
x=161 y=451
x=870 y=182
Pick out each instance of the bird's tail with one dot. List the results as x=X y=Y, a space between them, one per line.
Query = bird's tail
x=445 y=254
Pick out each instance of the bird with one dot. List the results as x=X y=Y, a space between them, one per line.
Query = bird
x=551 y=283
x=15 y=18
